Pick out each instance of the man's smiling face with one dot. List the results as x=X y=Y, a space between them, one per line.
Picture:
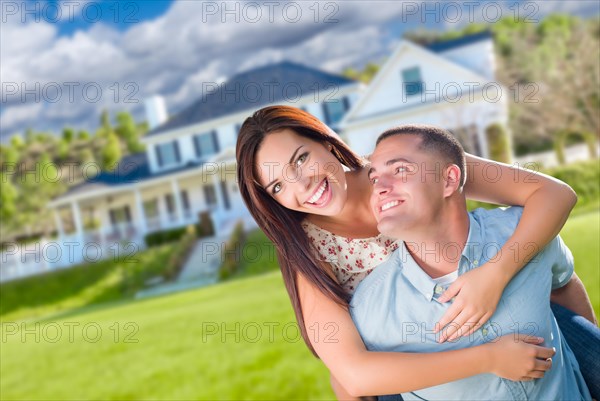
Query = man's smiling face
x=408 y=185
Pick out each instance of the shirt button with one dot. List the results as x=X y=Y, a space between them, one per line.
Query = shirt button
x=475 y=263
x=438 y=289
x=484 y=331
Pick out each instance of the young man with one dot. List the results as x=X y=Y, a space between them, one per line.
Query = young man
x=418 y=173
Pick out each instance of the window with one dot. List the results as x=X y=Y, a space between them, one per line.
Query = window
x=411 y=79
x=151 y=208
x=170 y=201
x=468 y=138
x=167 y=153
x=210 y=195
x=334 y=110
x=206 y=144
x=185 y=200
x=119 y=215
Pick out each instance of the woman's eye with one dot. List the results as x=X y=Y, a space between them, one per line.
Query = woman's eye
x=276 y=188
x=374 y=181
x=400 y=169
x=301 y=159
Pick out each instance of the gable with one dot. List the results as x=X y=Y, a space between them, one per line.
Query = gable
x=440 y=76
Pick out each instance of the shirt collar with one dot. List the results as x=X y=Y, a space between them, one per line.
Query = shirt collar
x=415 y=274
x=421 y=280
x=474 y=247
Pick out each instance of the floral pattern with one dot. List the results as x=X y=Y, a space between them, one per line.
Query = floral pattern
x=352 y=259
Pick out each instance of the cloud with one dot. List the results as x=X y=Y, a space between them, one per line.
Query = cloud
x=191 y=43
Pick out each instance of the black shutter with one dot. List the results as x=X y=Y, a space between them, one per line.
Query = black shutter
x=215 y=140
x=325 y=112
x=346 y=103
x=127 y=214
x=196 y=145
x=177 y=155
x=111 y=214
x=158 y=156
x=185 y=200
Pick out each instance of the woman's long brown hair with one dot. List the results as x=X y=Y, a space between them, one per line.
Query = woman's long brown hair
x=281 y=225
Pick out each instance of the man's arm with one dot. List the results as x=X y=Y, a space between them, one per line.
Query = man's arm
x=574 y=297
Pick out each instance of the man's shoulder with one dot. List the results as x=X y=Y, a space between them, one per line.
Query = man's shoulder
x=497 y=224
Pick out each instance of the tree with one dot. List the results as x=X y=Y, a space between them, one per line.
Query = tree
x=68 y=134
x=127 y=131
x=111 y=152
x=83 y=135
x=8 y=196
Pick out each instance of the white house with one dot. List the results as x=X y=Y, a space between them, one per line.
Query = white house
x=450 y=84
x=188 y=171
x=186 y=174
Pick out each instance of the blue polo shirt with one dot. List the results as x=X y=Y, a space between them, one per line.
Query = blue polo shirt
x=395 y=308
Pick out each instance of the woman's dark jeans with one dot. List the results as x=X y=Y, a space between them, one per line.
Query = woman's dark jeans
x=584 y=339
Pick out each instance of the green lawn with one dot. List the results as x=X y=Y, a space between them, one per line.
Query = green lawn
x=582 y=236
x=82 y=286
x=184 y=346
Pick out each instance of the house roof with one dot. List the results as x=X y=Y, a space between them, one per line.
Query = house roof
x=440 y=47
x=252 y=89
x=130 y=169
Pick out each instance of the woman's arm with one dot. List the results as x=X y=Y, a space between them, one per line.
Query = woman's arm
x=361 y=372
x=547 y=203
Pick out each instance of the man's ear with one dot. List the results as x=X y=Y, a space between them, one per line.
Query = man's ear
x=452 y=179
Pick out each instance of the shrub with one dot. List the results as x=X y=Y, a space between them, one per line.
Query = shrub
x=498 y=142
x=232 y=252
x=180 y=253
x=162 y=237
x=583 y=177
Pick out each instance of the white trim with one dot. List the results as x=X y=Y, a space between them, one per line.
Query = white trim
x=105 y=191
x=235 y=118
x=382 y=74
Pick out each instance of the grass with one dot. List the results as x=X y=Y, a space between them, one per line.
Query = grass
x=186 y=343
x=582 y=236
x=183 y=350
x=81 y=286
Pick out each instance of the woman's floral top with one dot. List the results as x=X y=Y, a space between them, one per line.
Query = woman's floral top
x=351 y=259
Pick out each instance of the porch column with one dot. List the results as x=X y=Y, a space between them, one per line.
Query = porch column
x=216 y=181
x=177 y=198
x=58 y=222
x=77 y=218
x=485 y=151
x=139 y=206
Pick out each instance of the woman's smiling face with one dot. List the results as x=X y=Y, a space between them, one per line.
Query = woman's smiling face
x=301 y=174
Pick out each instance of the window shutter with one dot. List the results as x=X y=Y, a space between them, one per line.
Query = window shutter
x=158 y=156
x=127 y=214
x=215 y=140
x=325 y=112
x=346 y=103
x=177 y=155
x=197 y=146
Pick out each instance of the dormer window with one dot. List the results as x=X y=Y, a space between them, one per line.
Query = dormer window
x=167 y=154
x=334 y=110
x=206 y=144
x=412 y=82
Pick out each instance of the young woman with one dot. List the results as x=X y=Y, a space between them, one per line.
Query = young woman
x=301 y=182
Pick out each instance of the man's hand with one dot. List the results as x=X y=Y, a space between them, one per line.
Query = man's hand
x=477 y=295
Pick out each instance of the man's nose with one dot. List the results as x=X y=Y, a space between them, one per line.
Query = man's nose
x=382 y=186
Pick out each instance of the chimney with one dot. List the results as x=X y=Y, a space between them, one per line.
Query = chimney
x=156 y=111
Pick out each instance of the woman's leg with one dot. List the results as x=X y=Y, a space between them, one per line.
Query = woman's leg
x=584 y=339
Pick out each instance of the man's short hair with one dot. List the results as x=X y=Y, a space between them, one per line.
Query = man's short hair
x=433 y=139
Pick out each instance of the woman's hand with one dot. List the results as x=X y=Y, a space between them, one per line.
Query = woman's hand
x=477 y=295
x=517 y=357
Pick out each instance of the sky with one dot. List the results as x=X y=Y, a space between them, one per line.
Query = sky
x=63 y=62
